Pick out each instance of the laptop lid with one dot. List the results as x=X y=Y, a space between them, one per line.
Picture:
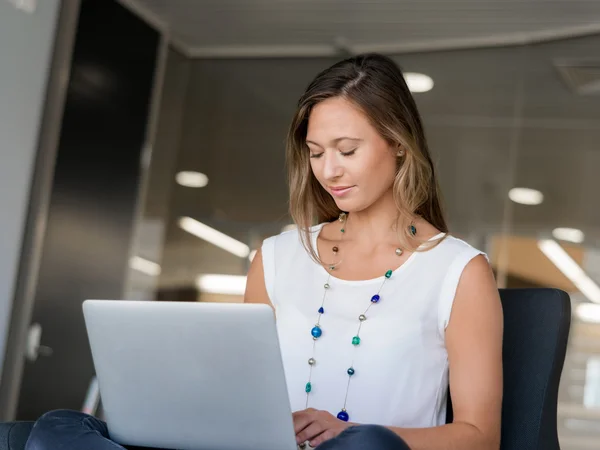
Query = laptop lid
x=190 y=375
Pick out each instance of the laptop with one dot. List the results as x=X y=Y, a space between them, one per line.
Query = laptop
x=190 y=376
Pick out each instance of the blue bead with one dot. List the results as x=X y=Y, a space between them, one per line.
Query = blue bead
x=321 y=310
x=375 y=298
x=351 y=371
x=413 y=230
x=343 y=415
x=316 y=332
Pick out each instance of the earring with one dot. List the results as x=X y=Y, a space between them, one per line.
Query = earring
x=400 y=153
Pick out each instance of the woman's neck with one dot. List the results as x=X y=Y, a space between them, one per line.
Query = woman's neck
x=375 y=224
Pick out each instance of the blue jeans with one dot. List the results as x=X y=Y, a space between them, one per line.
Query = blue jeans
x=73 y=430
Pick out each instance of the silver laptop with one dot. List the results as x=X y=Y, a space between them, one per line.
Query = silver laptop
x=190 y=376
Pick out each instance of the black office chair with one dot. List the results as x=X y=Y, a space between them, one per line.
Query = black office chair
x=536 y=331
x=13 y=435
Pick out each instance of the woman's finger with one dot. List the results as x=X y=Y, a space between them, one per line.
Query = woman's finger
x=313 y=430
x=324 y=436
x=303 y=418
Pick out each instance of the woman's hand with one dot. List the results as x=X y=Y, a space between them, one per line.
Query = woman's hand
x=317 y=426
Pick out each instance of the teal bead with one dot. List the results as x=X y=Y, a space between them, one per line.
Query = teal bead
x=355 y=340
x=308 y=387
x=342 y=230
x=388 y=274
x=413 y=230
x=351 y=371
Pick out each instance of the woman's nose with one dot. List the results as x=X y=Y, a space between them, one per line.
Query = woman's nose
x=332 y=166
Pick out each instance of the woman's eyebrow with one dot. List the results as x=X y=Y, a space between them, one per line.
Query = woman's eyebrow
x=335 y=141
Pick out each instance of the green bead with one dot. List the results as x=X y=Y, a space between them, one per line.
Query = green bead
x=388 y=274
x=355 y=340
x=308 y=387
x=343 y=230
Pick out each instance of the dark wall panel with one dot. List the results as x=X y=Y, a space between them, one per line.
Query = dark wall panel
x=93 y=199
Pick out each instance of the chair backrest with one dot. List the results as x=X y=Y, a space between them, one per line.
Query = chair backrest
x=536 y=331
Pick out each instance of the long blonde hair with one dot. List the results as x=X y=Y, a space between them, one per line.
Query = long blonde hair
x=375 y=84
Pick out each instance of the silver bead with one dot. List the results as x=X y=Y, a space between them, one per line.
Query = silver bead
x=326 y=286
x=362 y=317
x=399 y=251
x=311 y=362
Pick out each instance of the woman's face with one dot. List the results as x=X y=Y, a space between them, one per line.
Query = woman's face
x=349 y=158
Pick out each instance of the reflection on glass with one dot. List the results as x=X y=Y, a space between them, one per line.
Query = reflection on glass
x=591 y=394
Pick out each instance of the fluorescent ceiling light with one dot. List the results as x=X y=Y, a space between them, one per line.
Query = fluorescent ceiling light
x=526 y=196
x=588 y=312
x=569 y=234
x=222 y=284
x=215 y=237
x=418 y=82
x=570 y=269
x=191 y=179
x=144 y=266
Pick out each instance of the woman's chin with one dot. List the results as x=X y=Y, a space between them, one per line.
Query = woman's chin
x=348 y=205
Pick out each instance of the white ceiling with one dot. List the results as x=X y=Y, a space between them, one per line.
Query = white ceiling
x=319 y=27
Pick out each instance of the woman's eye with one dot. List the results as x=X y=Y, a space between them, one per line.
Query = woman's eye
x=349 y=153
x=316 y=155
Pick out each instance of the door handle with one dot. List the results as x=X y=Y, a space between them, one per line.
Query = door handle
x=33 y=348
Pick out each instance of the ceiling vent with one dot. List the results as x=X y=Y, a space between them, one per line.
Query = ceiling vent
x=581 y=76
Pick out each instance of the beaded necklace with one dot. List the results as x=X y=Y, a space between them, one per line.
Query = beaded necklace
x=316 y=332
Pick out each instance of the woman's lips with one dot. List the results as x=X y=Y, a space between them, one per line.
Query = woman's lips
x=340 y=191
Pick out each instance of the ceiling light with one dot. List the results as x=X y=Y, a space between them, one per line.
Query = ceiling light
x=252 y=255
x=569 y=234
x=144 y=266
x=588 y=312
x=191 y=179
x=570 y=269
x=526 y=196
x=418 y=82
x=222 y=284
x=215 y=237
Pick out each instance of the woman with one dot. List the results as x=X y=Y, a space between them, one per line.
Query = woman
x=378 y=308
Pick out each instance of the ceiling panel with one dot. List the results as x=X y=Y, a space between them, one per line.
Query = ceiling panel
x=222 y=24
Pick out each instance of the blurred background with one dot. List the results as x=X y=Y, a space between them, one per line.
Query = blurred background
x=142 y=157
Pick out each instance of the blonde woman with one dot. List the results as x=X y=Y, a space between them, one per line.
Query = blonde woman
x=378 y=308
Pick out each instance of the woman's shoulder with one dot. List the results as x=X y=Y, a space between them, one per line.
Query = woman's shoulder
x=450 y=248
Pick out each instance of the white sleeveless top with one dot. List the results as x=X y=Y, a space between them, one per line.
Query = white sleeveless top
x=401 y=364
